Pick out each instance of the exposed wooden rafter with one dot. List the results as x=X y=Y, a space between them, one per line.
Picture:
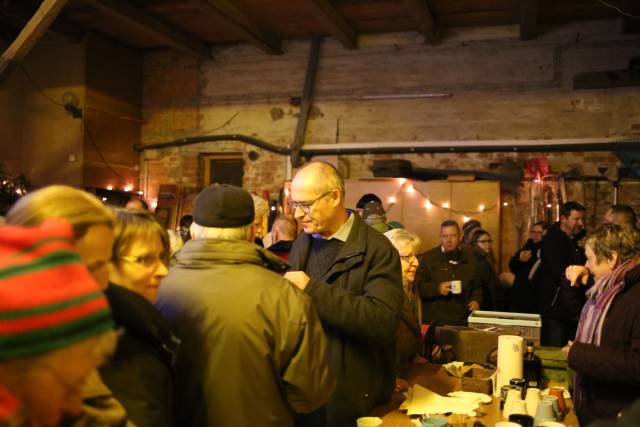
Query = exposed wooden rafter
x=30 y=34
x=421 y=13
x=137 y=17
x=326 y=14
x=529 y=10
x=252 y=32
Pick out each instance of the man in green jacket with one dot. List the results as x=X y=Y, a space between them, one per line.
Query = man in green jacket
x=447 y=278
x=253 y=351
x=353 y=276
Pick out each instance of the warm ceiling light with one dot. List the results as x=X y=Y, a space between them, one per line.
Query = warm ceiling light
x=428 y=204
x=392 y=199
x=445 y=205
x=481 y=207
x=401 y=181
x=411 y=189
x=109 y=187
x=128 y=187
x=505 y=204
x=465 y=219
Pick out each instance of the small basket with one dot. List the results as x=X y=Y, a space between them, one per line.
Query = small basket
x=478 y=380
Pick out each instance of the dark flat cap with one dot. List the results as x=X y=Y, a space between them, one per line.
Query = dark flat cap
x=223 y=206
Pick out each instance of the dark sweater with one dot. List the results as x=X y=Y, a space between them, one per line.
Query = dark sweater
x=322 y=256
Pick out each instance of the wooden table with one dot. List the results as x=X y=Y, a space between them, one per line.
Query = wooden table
x=436 y=379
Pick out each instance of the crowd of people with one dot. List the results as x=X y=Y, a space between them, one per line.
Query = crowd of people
x=106 y=319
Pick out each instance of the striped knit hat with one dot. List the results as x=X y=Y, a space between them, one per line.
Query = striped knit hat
x=48 y=299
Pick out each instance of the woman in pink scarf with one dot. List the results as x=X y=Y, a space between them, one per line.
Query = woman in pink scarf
x=606 y=353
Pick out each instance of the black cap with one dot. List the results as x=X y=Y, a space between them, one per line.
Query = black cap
x=223 y=206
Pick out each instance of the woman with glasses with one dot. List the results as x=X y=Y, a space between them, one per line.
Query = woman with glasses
x=481 y=243
x=408 y=333
x=141 y=371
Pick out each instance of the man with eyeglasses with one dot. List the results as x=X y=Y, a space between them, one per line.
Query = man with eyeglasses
x=352 y=273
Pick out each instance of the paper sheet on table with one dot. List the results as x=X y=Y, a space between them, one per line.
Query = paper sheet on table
x=424 y=401
x=472 y=396
x=457 y=369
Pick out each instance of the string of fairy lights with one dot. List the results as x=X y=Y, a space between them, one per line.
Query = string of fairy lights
x=408 y=188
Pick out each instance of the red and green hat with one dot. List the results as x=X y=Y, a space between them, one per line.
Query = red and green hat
x=48 y=299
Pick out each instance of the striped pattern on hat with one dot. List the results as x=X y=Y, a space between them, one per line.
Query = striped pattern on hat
x=48 y=299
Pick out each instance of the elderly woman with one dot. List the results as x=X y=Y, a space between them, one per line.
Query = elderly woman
x=147 y=348
x=606 y=353
x=408 y=334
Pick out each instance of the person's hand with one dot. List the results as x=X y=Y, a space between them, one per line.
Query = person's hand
x=525 y=255
x=567 y=348
x=473 y=305
x=444 y=288
x=401 y=385
x=577 y=274
x=298 y=278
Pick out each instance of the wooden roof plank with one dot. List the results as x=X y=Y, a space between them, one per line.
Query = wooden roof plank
x=334 y=23
x=260 y=37
x=30 y=34
x=529 y=10
x=137 y=17
x=421 y=13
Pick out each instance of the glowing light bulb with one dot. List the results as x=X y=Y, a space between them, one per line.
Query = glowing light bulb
x=465 y=219
x=104 y=199
x=401 y=181
x=141 y=192
x=505 y=204
x=392 y=199
x=480 y=207
x=154 y=204
x=273 y=208
x=128 y=188
x=19 y=191
x=549 y=205
x=428 y=204
x=109 y=187
x=411 y=189
x=445 y=205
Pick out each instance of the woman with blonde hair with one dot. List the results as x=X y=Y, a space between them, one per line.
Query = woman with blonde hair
x=92 y=225
x=606 y=353
x=408 y=334
x=148 y=347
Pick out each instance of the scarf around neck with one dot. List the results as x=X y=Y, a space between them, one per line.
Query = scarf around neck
x=599 y=299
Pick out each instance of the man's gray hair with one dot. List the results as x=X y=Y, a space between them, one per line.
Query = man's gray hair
x=236 y=233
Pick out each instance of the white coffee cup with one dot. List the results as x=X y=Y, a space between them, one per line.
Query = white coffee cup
x=369 y=422
x=456 y=287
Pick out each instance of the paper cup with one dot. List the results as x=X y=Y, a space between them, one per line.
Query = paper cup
x=532 y=399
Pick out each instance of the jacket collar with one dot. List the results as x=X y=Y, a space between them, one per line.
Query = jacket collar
x=351 y=253
x=203 y=252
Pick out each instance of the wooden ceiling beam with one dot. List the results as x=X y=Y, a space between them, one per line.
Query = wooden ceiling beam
x=30 y=34
x=136 y=17
x=328 y=16
x=529 y=10
x=421 y=13
x=250 y=30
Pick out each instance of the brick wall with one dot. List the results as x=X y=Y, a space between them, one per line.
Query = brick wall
x=501 y=88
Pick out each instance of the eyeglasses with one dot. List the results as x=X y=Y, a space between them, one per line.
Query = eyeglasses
x=148 y=260
x=484 y=241
x=306 y=206
x=408 y=258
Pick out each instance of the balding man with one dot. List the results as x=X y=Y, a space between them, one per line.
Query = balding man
x=353 y=276
x=620 y=215
x=284 y=232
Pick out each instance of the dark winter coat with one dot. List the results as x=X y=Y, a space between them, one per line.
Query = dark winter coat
x=523 y=294
x=359 y=300
x=612 y=370
x=434 y=269
x=141 y=372
x=488 y=280
x=557 y=299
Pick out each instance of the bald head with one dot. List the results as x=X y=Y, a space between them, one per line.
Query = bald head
x=284 y=228
x=317 y=199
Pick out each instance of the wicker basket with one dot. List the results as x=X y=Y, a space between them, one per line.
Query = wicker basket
x=478 y=380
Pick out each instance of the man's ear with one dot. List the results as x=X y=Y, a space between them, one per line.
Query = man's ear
x=336 y=198
x=613 y=261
